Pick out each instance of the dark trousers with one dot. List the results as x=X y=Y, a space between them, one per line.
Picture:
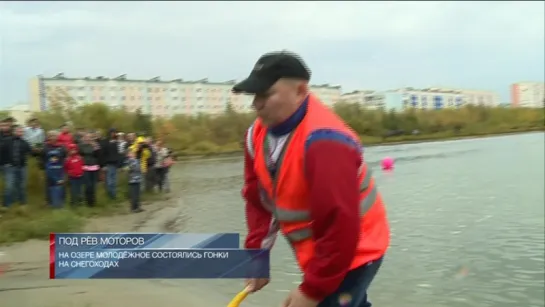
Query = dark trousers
x=353 y=290
x=7 y=174
x=134 y=195
x=150 y=179
x=19 y=184
x=90 y=179
x=76 y=186
x=161 y=177
x=111 y=180
x=56 y=195
x=15 y=179
x=48 y=194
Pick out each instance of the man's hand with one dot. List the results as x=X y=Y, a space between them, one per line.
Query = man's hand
x=256 y=284
x=296 y=298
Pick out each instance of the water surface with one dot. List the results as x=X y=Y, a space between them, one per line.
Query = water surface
x=467 y=222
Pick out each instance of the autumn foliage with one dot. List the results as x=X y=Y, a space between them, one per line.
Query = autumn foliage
x=213 y=134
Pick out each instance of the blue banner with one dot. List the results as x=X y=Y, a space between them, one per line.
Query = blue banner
x=97 y=241
x=160 y=263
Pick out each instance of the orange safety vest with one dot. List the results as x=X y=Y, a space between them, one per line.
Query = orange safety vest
x=288 y=191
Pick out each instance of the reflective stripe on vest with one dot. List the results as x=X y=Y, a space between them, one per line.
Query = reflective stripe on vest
x=306 y=232
x=283 y=215
x=250 y=141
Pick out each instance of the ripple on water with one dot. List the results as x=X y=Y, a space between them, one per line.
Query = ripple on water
x=464 y=233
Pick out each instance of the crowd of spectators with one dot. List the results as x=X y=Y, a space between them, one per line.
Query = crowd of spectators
x=74 y=162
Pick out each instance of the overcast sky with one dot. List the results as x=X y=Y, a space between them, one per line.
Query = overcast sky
x=359 y=45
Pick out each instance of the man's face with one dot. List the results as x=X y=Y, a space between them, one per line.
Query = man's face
x=3 y=126
x=270 y=104
x=19 y=131
x=65 y=129
x=34 y=124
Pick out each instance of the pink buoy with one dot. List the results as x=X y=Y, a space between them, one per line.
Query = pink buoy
x=387 y=163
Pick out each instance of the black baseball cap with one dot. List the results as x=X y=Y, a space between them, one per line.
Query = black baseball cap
x=270 y=68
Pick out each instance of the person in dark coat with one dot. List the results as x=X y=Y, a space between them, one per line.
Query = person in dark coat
x=89 y=150
x=54 y=171
x=111 y=161
x=6 y=137
x=51 y=148
x=18 y=150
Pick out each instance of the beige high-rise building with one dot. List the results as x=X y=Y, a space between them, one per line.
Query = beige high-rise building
x=154 y=96
x=528 y=95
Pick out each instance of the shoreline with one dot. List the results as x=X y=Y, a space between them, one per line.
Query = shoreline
x=409 y=140
x=115 y=217
x=453 y=138
x=24 y=270
x=34 y=221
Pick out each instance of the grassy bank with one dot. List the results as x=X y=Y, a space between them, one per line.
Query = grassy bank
x=203 y=135
x=35 y=220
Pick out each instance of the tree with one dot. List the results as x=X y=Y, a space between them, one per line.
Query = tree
x=4 y=114
x=203 y=134
x=143 y=123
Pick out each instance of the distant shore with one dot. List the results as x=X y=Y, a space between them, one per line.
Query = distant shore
x=429 y=139
x=374 y=142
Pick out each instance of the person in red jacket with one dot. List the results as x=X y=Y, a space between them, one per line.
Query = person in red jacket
x=304 y=174
x=73 y=167
x=65 y=137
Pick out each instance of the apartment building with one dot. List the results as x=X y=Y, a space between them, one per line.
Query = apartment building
x=439 y=98
x=358 y=96
x=20 y=112
x=431 y=98
x=154 y=96
x=328 y=94
x=427 y=99
x=369 y=99
x=528 y=95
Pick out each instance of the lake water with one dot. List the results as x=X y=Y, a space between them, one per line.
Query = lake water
x=467 y=222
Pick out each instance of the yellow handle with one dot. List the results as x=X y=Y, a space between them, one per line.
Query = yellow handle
x=239 y=298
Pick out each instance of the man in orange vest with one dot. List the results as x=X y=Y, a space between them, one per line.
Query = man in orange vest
x=304 y=175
